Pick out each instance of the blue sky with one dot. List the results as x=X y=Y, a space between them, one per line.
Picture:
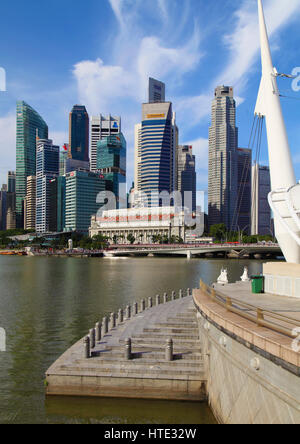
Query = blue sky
x=100 y=53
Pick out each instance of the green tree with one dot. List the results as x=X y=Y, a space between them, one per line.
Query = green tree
x=218 y=232
x=131 y=238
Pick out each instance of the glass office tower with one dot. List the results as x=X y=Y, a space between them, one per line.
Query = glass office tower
x=79 y=134
x=157 y=151
x=30 y=126
x=47 y=167
x=82 y=189
x=57 y=204
x=111 y=162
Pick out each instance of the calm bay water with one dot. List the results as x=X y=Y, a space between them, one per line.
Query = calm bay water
x=47 y=304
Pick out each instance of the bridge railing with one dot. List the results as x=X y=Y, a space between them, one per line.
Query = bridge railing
x=264 y=318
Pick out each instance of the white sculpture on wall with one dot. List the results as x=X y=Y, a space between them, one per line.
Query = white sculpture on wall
x=223 y=278
x=245 y=277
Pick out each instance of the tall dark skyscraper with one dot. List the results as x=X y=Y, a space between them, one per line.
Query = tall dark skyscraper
x=223 y=171
x=157 y=91
x=79 y=134
x=243 y=209
x=30 y=126
x=186 y=175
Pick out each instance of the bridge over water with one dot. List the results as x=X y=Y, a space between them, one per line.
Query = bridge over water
x=253 y=251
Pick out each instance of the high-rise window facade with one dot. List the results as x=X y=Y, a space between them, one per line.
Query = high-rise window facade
x=243 y=203
x=223 y=171
x=186 y=176
x=157 y=161
x=261 y=211
x=30 y=126
x=82 y=189
x=79 y=134
x=47 y=167
x=157 y=91
x=111 y=162
x=102 y=127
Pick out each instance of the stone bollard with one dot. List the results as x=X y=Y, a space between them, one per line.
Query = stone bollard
x=92 y=338
x=143 y=305
x=98 y=332
x=135 y=309
x=180 y=294
x=169 y=350
x=87 y=348
x=128 y=349
x=112 y=321
x=128 y=312
x=165 y=298
x=150 y=302
x=173 y=295
x=120 y=316
x=105 y=326
x=157 y=299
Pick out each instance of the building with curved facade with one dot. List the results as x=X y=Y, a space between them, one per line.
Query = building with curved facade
x=30 y=127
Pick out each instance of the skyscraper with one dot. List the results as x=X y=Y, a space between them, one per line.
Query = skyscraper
x=157 y=161
x=137 y=156
x=30 y=204
x=11 y=182
x=82 y=189
x=261 y=211
x=186 y=175
x=102 y=127
x=47 y=167
x=63 y=156
x=157 y=91
x=11 y=201
x=222 y=172
x=30 y=126
x=3 y=208
x=57 y=204
x=111 y=162
x=243 y=203
x=79 y=134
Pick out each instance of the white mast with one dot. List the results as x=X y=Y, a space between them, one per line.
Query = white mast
x=283 y=178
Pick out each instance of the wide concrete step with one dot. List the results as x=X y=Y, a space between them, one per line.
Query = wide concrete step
x=156 y=348
x=182 y=320
x=139 y=361
x=131 y=369
x=166 y=336
x=149 y=352
x=187 y=325
x=172 y=330
x=181 y=344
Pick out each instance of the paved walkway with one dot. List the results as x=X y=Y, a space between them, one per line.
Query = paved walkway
x=278 y=304
x=149 y=331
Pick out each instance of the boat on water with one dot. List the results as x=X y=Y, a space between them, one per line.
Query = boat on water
x=13 y=253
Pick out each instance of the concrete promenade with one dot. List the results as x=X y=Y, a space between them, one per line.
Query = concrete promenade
x=251 y=359
x=148 y=373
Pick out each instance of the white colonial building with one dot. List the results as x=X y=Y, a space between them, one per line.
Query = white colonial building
x=141 y=223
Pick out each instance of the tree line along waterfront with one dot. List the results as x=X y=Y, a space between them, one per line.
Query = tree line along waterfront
x=20 y=239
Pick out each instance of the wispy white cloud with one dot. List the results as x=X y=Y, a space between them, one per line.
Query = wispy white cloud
x=243 y=43
x=122 y=84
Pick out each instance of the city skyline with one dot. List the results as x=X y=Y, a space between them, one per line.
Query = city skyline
x=105 y=81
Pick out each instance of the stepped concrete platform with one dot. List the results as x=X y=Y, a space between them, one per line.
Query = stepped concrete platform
x=107 y=373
